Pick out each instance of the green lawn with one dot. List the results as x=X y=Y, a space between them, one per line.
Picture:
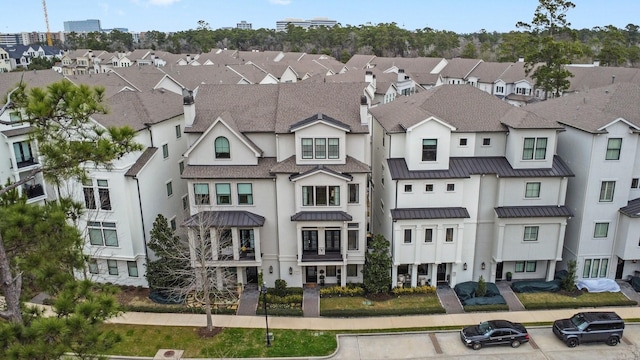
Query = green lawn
x=404 y=304
x=139 y=340
x=546 y=300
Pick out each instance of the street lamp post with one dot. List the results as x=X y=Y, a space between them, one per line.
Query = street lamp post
x=266 y=317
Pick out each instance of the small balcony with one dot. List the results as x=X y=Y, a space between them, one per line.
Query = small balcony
x=327 y=256
x=33 y=190
x=247 y=254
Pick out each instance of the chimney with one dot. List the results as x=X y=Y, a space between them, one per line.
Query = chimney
x=188 y=57
x=400 y=75
x=364 y=113
x=596 y=62
x=189 y=107
x=368 y=76
x=521 y=59
x=613 y=79
x=153 y=56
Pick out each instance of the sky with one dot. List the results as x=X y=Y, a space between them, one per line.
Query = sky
x=460 y=16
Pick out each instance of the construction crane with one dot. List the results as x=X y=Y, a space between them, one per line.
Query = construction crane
x=46 y=20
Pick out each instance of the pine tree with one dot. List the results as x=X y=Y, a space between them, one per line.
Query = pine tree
x=481 y=290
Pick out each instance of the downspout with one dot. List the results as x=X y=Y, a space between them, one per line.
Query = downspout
x=144 y=232
x=148 y=126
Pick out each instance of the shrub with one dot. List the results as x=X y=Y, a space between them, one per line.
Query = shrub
x=281 y=287
x=568 y=283
x=352 y=290
x=416 y=290
x=481 y=290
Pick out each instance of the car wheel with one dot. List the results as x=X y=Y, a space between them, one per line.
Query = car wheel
x=573 y=342
x=477 y=346
x=613 y=341
x=515 y=343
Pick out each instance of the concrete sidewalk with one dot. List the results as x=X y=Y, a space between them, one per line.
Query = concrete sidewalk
x=395 y=322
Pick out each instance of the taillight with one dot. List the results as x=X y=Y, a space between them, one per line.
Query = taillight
x=526 y=336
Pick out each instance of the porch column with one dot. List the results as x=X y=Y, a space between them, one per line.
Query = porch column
x=551 y=270
x=459 y=244
x=343 y=277
x=500 y=245
x=560 y=245
x=414 y=275
x=394 y=276
x=235 y=243
x=257 y=246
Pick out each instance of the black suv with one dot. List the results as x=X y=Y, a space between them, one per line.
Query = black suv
x=590 y=327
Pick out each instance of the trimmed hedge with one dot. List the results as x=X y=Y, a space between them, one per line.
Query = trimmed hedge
x=341 y=291
x=174 y=309
x=279 y=312
x=370 y=313
x=480 y=308
x=414 y=290
x=567 y=305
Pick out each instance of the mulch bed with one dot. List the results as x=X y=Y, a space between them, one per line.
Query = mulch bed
x=204 y=333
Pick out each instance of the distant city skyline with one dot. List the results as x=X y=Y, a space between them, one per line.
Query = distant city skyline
x=460 y=16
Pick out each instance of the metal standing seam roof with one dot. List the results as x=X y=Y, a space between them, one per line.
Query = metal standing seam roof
x=464 y=167
x=224 y=218
x=321 y=216
x=17 y=132
x=430 y=213
x=533 y=211
x=632 y=209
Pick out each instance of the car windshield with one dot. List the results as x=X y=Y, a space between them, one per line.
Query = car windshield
x=485 y=327
x=579 y=322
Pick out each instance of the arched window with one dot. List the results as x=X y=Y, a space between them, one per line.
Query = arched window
x=222 y=148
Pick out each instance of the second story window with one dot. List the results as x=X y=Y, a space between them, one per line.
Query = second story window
x=613 y=149
x=103 y=199
x=429 y=149
x=532 y=190
x=407 y=236
x=24 y=155
x=223 y=194
x=201 y=194
x=165 y=151
x=534 y=149
x=320 y=196
x=354 y=193
x=607 y=189
x=102 y=233
x=245 y=194
x=222 y=148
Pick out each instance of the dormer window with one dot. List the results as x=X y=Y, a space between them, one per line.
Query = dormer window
x=534 y=149
x=320 y=148
x=222 y=148
x=429 y=149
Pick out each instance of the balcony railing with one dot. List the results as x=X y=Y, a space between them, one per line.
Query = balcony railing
x=33 y=191
x=247 y=254
x=27 y=162
x=328 y=256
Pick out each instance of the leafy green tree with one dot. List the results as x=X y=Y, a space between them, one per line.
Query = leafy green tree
x=377 y=266
x=569 y=282
x=67 y=141
x=469 y=51
x=481 y=290
x=613 y=51
x=42 y=63
x=514 y=45
x=553 y=46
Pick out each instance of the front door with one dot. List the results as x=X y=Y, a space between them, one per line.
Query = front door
x=442 y=273
x=312 y=274
x=499 y=271
x=252 y=275
x=620 y=269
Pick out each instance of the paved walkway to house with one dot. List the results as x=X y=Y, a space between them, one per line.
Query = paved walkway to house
x=449 y=299
x=627 y=289
x=311 y=302
x=509 y=296
x=248 y=301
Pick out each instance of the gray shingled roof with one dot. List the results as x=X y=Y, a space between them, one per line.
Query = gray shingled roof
x=591 y=77
x=289 y=166
x=430 y=213
x=489 y=72
x=321 y=216
x=533 y=211
x=17 y=132
x=464 y=167
x=593 y=109
x=459 y=67
x=316 y=118
x=632 y=209
x=260 y=171
x=224 y=218
x=464 y=107
x=143 y=159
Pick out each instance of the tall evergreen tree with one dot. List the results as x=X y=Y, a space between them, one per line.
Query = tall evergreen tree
x=377 y=266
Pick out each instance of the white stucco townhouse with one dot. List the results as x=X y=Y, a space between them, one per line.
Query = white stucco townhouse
x=601 y=145
x=280 y=173
x=465 y=185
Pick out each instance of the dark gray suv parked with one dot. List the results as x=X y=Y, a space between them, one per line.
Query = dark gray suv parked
x=590 y=327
